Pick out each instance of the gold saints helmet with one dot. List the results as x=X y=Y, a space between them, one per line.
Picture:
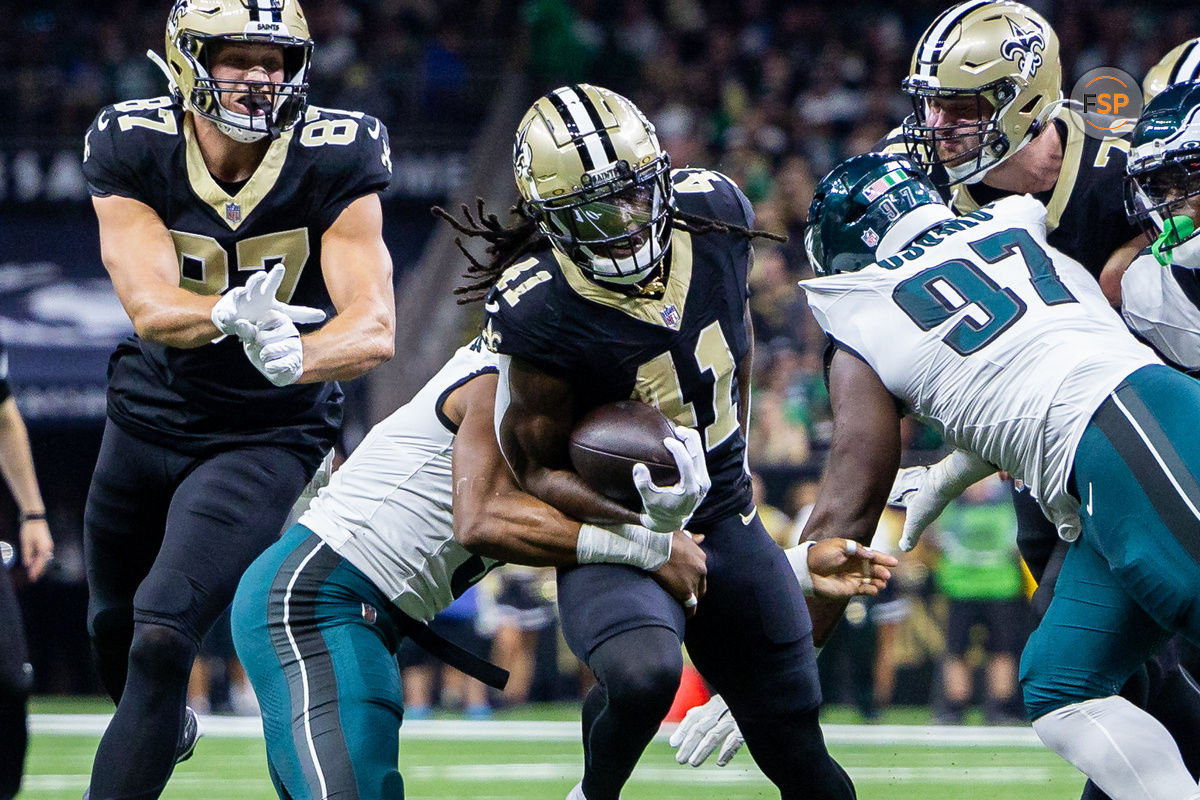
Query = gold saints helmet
x=1181 y=65
x=1000 y=55
x=591 y=171
x=196 y=28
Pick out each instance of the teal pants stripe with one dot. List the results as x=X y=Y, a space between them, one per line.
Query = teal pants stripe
x=319 y=650
x=1133 y=578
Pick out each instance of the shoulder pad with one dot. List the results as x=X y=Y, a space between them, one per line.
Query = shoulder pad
x=347 y=152
x=708 y=193
x=518 y=281
x=1022 y=209
x=347 y=140
x=514 y=310
x=893 y=142
x=125 y=139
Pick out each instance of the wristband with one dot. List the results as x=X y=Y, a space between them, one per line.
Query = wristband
x=32 y=515
x=798 y=557
x=623 y=544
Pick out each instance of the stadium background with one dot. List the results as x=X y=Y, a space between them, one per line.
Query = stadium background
x=771 y=93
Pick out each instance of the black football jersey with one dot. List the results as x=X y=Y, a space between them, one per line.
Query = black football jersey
x=212 y=395
x=679 y=352
x=5 y=389
x=1085 y=211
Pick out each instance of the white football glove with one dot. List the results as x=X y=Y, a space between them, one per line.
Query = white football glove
x=924 y=492
x=252 y=302
x=704 y=729
x=668 y=508
x=273 y=347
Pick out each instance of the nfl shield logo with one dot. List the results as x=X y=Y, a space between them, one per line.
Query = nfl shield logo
x=870 y=237
x=233 y=212
x=670 y=315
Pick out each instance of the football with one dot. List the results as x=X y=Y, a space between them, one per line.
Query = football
x=610 y=439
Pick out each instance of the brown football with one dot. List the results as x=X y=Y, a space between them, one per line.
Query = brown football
x=610 y=439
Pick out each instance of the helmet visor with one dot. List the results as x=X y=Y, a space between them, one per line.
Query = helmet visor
x=1171 y=184
x=629 y=212
x=1155 y=196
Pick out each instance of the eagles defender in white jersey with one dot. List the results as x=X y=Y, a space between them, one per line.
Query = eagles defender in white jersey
x=421 y=510
x=981 y=329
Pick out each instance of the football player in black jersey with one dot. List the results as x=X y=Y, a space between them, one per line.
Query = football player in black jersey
x=625 y=279
x=218 y=206
x=37 y=549
x=989 y=121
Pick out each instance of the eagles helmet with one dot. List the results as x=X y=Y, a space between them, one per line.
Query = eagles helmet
x=196 y=27
x=1163 y=183
x=590 y=169
x=1001 y=55
x=1181 y=65
x=869 y=207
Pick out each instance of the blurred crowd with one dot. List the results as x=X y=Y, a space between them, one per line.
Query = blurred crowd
x=422 y=66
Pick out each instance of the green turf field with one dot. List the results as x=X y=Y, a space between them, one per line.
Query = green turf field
x=545 y=770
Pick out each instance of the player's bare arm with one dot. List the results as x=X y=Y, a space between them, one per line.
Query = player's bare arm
x=16 y=463
x=863 y=458
x=358 y=273
x=533 y=428
x=140 y=258
x=494 y=518
x=1118 y=262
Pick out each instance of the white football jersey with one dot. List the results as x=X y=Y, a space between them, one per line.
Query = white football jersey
x=388 y=509
x=985 y=332
x=1157 y=309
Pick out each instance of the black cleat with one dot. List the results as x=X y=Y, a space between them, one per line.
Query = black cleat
x=187 y=741
x=188 y=737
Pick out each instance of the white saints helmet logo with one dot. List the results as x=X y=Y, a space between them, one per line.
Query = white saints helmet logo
x=523 y=155
x=1024 y=47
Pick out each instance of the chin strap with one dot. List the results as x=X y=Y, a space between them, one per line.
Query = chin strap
x=1175 y=231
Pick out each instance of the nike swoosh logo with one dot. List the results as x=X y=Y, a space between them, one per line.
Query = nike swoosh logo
x=102 y=123
x=749 y=517
x=491 y=306
x=1089 y=503
x=375 y=133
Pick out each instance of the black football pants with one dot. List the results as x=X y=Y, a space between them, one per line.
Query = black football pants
x=751 y=639
x=16 y=681
x=167 y=536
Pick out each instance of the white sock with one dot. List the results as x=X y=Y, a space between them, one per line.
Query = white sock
x=1127 y=752
x=577 y=792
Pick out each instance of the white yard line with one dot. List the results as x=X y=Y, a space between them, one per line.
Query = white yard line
x=496 y=730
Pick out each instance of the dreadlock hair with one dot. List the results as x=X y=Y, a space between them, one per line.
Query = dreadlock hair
x=508 y=245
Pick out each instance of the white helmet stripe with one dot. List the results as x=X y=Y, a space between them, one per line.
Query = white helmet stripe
x=584 y=125
x=266 y=10
x=930 y=48
x=1188 y=69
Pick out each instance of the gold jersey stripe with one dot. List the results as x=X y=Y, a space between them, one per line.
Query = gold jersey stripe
x=251 y=194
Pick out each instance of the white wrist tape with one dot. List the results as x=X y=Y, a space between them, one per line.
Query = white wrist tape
x=798 y=557
x=623 y=544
